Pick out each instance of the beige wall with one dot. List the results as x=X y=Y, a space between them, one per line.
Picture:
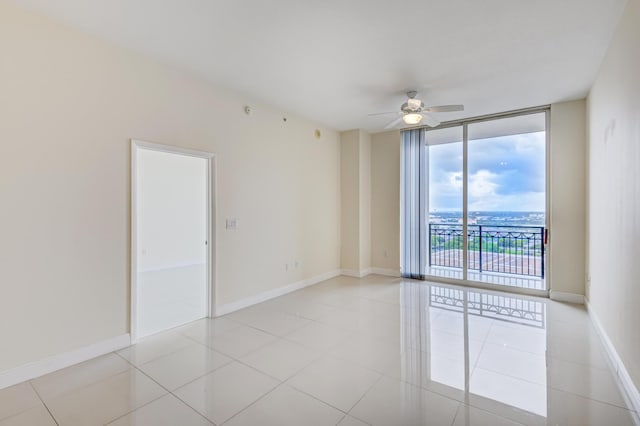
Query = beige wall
x=613 y=113
x=365 y=200
x=385 y=201
x=69 y=105
x=567 y=197
x=350 y=196
x=355 y=166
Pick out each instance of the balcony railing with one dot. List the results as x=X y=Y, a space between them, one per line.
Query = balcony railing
x=492 y=248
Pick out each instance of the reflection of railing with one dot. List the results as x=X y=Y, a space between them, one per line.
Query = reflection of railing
x=493 y=248
x=505 y=308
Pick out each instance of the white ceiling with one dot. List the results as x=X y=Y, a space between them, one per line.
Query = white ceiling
x=335 y=61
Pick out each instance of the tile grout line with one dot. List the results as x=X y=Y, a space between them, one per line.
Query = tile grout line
x=44 y=403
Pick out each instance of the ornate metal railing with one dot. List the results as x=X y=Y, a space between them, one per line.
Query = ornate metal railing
x=493 y=248
x=501 y=307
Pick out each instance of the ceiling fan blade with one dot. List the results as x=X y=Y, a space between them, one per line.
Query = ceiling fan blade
x=444 y=108
x=383 y=113
x=429 y=120
x=394 y=123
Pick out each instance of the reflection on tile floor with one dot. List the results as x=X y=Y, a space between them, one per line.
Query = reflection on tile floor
x=348 y=351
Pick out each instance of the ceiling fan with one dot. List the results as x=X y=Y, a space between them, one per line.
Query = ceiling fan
x=413 y=112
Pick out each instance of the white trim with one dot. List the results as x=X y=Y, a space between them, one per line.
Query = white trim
x=60 y=361
x=386 y=272
x=624 y=379
x=566 y=297
x=211 y=220
x=354 y=273
x=276 y=292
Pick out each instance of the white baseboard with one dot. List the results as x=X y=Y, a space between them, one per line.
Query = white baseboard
x=354 y=273
x=270 y=294
x=632 y=393
x=566 y=297
x=386 y=272
x=58 y=362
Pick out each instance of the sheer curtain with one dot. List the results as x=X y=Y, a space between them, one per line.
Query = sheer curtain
x=413 y=204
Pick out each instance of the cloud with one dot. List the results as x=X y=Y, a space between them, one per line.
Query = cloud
x=505 y=173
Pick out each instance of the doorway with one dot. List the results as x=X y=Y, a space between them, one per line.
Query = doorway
x=171 y=279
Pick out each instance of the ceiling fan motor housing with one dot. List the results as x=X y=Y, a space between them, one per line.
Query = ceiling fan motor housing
x=412 y=105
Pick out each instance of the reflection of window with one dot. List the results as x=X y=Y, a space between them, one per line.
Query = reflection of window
x=500 y=307
x=493 y=348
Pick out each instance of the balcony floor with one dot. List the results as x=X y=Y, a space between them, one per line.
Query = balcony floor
x=494 y=278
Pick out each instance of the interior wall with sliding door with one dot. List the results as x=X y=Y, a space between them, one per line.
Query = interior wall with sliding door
x=171 y=220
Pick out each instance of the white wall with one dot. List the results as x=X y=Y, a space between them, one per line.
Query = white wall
x=69 y=105
x=613 y=112
x=567 y=198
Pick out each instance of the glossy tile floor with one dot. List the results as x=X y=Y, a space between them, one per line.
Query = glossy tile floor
x=371 y=351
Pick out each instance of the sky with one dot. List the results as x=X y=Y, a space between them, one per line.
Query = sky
x=505 y=174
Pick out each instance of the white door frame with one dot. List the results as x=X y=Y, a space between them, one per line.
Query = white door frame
x=211 y=219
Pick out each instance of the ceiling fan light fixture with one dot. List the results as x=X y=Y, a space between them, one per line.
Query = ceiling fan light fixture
x=412 y=118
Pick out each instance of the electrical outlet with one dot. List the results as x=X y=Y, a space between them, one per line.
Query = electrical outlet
x=297 y=264
x=386 y=253
x=286 y=267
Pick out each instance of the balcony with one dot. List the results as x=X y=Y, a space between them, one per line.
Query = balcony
x=497 y=254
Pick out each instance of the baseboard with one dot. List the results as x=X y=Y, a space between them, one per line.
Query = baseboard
x=58 y=362
x=354 y=273
x=566 y=297
x=632 y=393
x=386 y=272
x=270 y=294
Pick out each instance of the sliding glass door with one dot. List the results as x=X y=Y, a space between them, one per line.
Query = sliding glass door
x=487 y=201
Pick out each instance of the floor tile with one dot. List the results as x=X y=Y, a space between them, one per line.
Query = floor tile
x=206 y=328
x=392 y=402
x=374 y=353
x=432 y=372
x=16 y=399
x=585 y=381
x=105 y=401
x=471 y=416
x=277 y=323
x=280 y=359
x=515 y=363
x=185 y=365
x=37 y=416
x=350 y=351
x=165 y=411
x=79 y=376
x=338 y=383
x=572 y=410
x=154 y=347
x=286 y=406
x=226 y=391
x=521 y=394
x=352 y=421
x=239 y=341
x=318 y=336
x=519 y=337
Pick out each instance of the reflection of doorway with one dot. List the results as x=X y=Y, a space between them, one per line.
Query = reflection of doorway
x=171 y=205
x=487 y=201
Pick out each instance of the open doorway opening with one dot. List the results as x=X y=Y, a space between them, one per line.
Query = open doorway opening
x=171 y=256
